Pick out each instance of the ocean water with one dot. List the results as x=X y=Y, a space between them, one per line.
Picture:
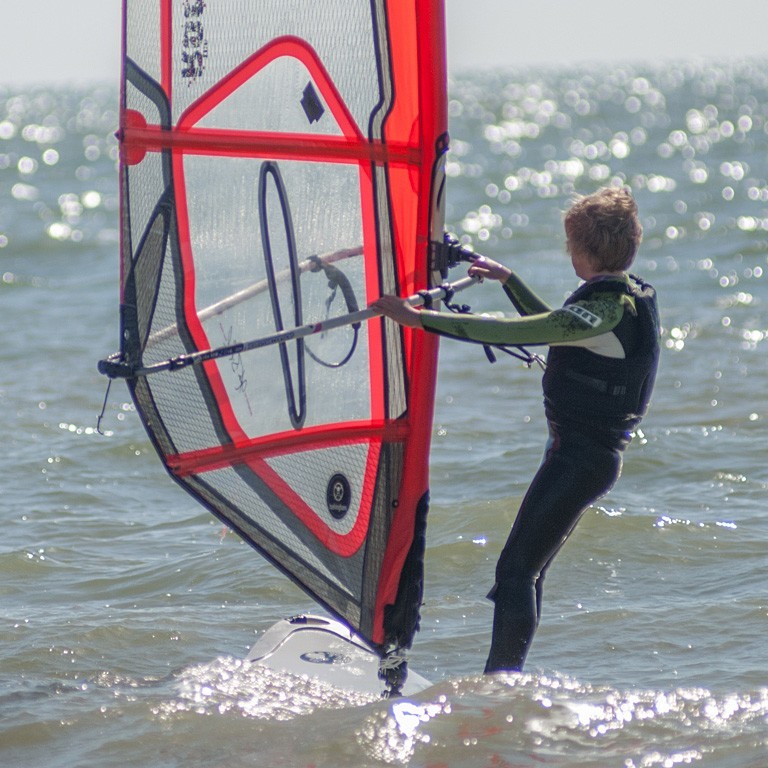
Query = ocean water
x=126 y=610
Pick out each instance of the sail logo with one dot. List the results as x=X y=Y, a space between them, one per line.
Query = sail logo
x=591 y=319
x=338 y=496
x=194 y=44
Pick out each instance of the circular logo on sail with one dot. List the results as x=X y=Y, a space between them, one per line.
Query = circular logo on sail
x=338 y=495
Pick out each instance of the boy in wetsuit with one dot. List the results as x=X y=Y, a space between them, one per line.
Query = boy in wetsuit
x=601 y=366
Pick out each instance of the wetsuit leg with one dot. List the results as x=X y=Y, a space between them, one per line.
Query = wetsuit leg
x=574 y=473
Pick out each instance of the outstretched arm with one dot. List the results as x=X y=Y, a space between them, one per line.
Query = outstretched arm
x=573 y=324
x=397 y=309
x=484 y=267
x=526 y=302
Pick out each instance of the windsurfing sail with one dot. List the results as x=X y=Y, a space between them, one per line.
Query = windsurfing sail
x=282 y=164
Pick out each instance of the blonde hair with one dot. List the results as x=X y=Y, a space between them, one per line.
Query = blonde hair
x=605 y=227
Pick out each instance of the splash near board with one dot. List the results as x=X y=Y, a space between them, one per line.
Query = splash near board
x=282 y=165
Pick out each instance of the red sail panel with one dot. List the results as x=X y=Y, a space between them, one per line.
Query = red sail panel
x=282 y=164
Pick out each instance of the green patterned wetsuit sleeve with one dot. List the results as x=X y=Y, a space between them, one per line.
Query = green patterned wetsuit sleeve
x=525 y=300
x=599 y=314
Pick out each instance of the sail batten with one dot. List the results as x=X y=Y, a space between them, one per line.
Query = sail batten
x=155 y=138
x=252 y=136
x=284 y=444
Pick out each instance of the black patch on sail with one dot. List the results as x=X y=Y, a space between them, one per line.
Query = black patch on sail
x=313 y=108
x=338 y=496
x=401 y=620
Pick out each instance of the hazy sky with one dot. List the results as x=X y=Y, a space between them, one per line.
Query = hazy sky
x=55 y=41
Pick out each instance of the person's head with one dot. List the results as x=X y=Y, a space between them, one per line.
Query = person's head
x=604 y=229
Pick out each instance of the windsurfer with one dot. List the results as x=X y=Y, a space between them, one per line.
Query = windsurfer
x=604 y=347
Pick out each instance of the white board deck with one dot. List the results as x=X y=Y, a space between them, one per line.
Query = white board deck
x=327 y=650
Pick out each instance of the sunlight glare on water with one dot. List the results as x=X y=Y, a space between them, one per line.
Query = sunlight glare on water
x=127 y=613
x=229 y=685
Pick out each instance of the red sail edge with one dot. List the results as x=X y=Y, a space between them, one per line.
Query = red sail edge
x=427 y=108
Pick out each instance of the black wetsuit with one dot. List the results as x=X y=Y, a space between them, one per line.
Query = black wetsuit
x=600 y=373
